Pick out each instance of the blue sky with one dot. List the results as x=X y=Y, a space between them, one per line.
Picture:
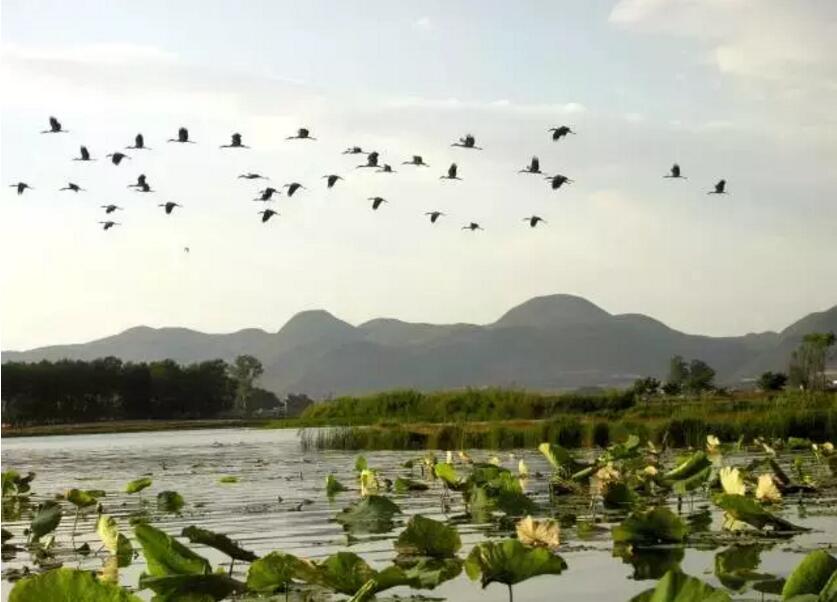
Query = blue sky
x=739 y=89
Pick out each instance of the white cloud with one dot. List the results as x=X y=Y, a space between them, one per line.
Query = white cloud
x=423 y=23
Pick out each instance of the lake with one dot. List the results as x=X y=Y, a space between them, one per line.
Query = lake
x=266 y=509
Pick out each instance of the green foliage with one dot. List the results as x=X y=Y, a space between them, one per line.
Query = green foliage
x=652 y=526
x=218 y=541
x=333 y=486
x=508 y=561
x=164 y=555
x=189 y=587
x=170 y=501
x=772 y=381
x=676 y=586
x=109 y=389
x=83 y=498
x=748 y=510
x=405 y=485
x=427 y=537
x=447 y=473
x=276 y=571
x=244 y=371
x=114 y=542
x=372 y=514
x=14 y=484
x=68 y=585
x=811 y=575
x=807 y=365
x=228 y=479
x=47 y=517
x=347 y=573
x=138 y=485
x=736 y=566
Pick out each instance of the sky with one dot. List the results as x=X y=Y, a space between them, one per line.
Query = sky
x=743 y=90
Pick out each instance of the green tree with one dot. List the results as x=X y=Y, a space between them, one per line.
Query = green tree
x=678 y=373
x=700 y=377
x=807 y=365
x=244 y=371
x=644 y=387
x=772 y=381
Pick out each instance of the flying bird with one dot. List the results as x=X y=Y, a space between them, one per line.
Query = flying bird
x=675 y=172
x=387 y=168
x=376 y=201
x=139 y=143
x=416 y=160
x=293 y=187
x=21 y=186
x=472 y=227
x=182 y=136
x=534 y=220
x=533 y=167
x=54 y=127
x=720 y=188
x=140 y=182
x=116 y=158
x=253 y=176
x=235 y=142
x=332 y=180
x=451 y=173
x=560 y=132
x=73 y=187
x=353 y=150
x=467 y=141
x=301 y=134
x=109 y=224
x=267 y=214
x=558 y=180
x=371 y=160
x=267 y=194
x=169 y=207
x=84 y=155
x=111 y=208
x=434 y=215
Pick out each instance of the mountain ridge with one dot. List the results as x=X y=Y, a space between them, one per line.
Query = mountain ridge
x=548 y=342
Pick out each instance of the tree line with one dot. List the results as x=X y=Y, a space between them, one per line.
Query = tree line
x=110 y=389
x=806 y=372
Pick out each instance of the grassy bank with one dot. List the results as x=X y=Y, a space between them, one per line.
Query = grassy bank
x=522 y=419
x=127 y=426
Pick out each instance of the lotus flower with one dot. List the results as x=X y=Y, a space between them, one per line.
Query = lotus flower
x=713 y=444
x=731 y=481
x=766 y=490
x=539 y=533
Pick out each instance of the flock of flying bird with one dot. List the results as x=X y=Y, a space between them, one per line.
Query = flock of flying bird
x=372 y=161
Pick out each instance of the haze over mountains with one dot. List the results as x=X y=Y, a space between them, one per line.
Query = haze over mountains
x=548 y=343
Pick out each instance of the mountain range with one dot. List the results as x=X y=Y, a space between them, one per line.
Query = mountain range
x=548 y=343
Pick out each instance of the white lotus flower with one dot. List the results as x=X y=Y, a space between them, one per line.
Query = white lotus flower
x=495 y=461
x=522 y=469
x=449 y=457
x=368 y=482
x=766 y=490
x=731 y=481
x=713 y=444
x=650 y=470
x=539 y=533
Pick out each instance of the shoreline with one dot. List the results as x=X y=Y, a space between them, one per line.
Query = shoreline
x=128 y=426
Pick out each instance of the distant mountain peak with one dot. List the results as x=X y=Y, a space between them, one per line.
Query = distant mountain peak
x=552 y=311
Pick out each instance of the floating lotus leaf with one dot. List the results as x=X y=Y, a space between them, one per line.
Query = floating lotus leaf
x=228 y=479
x=749 y=511
x=177 y=588
x=372 y=514
x=276 y=571
x=219 y=541
x=692 y=465
x=170 y=501
x=428 y=537
x=347 y=573
x=164 y=555
x=46 y=519
x=403 y=485
x=508 y=561
x=649 y=527
x=138 y=485
x=676 y=586
x=83 y=498
x=811 y=575
x=68 y=585
x=429 y=573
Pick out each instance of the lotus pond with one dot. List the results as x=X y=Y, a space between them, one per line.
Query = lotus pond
x=740 y=520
